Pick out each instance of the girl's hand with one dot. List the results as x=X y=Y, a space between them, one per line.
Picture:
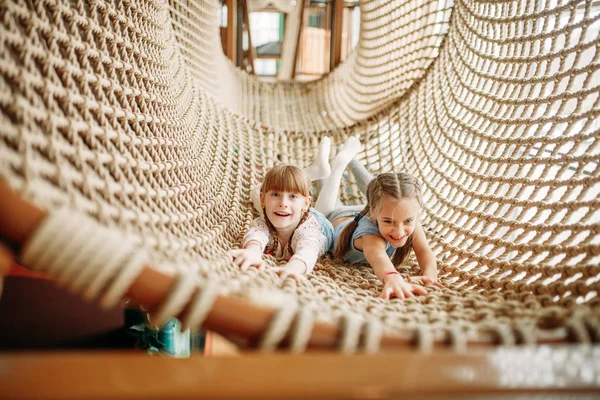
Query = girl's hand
x=294 y=269
x=395 y=286
x=246 y=258
x=426 y=280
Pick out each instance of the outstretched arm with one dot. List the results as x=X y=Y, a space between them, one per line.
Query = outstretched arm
x=249 y=256
x=393 y=283
x=295 y=268
x=425 y=258
x=255 y=242
x=307 y=244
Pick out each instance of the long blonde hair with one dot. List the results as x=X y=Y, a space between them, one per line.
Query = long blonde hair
x=285 y=178
x=397 y=186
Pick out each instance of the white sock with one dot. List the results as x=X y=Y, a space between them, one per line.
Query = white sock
x=328 y=196
x=319 y=185
x=350 y=149
x=320 y=168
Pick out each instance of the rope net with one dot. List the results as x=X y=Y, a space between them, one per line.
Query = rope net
x=129 y=111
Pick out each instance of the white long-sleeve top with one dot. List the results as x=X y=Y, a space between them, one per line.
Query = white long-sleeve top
x=307 y=241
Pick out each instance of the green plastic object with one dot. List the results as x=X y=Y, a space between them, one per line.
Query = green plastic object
x=167 y=340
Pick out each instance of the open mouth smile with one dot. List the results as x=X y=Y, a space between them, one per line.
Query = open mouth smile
x=397 y=239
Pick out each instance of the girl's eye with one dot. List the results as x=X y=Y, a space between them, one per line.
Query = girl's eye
x=387 y=222
x=410 y=220
x=294 y=196
x=275 y=194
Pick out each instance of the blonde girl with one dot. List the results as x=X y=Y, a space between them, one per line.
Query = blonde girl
x=384 y=231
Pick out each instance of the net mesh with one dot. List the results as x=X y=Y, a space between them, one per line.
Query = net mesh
x=130 y=112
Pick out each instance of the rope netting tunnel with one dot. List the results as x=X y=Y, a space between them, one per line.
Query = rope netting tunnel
x=129 y=112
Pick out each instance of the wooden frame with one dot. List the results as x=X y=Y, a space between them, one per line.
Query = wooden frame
x=337 y=27
x=291 y=40
x=251 y=51
x=314 y=376
x=231 y=31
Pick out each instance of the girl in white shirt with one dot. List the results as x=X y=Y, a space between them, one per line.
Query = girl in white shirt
x=289 y=228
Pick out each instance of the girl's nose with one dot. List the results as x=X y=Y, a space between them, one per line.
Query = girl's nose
x=400 y=231
x=284 y=202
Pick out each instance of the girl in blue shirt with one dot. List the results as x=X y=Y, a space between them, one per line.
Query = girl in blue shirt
x=384 y=231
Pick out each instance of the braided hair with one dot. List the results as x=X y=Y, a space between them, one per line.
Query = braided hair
x=397 y=186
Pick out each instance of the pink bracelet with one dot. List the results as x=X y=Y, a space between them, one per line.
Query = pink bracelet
x=389 y=273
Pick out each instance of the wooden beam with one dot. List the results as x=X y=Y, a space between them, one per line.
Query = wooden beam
x=337 y=28
x=291 y=40
x=251 y=50
x=511 y=373
x=231 y=41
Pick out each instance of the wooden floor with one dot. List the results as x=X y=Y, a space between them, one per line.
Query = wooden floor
x=565 y=371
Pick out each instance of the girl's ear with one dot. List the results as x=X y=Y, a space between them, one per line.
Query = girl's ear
x=262 y=199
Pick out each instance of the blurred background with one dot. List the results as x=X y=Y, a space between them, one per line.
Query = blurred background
x=289 y=39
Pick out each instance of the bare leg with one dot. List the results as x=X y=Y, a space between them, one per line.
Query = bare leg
x=329 y=194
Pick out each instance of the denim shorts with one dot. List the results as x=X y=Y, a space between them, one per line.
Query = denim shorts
x=326 y=229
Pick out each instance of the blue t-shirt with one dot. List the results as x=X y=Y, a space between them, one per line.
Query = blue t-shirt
x=366 y=226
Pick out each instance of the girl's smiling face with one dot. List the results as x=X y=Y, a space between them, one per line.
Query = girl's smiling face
x=284 y=209
x=396 y=219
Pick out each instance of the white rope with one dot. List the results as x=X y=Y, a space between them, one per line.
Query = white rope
x=107 y=272
x=351 y=332
x=303 y=326
x=578 y=330
x=524 y=332
x=71 y=258
x=201 y=305
x=50 y=230
x=84 y=255
x=424 y=338
x=117 y=289
x=278 y=327
x=593 y=324
x=178 y=298
x=373 y=332
x=504 y=333
x=456 y=339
